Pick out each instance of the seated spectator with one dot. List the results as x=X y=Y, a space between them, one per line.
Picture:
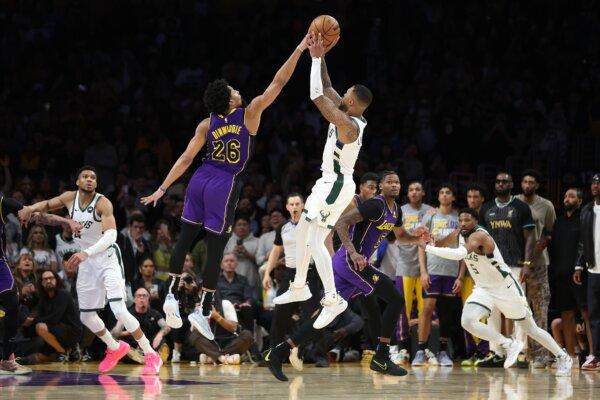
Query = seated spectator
x=265 y=242
x=152 y=323
x=163 y=246
x=235 y=288
x=244 y=245
x=155 y=286
x=65 y=244
x=188 y=294
x=231 y=339
x=134 y=247
x=57 y=321
x=26 y=278
x=37 y=244
x=69 y=276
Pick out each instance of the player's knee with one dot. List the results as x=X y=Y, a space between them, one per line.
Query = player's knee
x=41 y=328
x=121 y=314
x=92 y=321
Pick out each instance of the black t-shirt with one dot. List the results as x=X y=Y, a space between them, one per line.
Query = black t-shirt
x=563 y=247
x=148 y=321
x=505 y=222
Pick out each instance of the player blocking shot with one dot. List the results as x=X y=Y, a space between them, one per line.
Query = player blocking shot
x=495 y=287
x=212 y=193
x=332 y=193
x=101 y=274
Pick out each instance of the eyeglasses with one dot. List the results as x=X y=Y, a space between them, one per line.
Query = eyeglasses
x=503 y=181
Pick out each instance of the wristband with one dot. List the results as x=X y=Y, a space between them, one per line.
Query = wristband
x=163 y=191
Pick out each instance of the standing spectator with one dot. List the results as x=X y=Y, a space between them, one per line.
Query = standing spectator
x=163 y=246
x=235 y=288
x=57 y=321
x=147 y=279
x=441 y=281
x=566 y=295
x=408 y=274
x=538 y=290
x=265 y=242
x=475 y=196
x=37 y=244
x=65 y=244
x=589 y=258
x=509 y=222
x=134 y=247
x=152 y=323
x=244 y=245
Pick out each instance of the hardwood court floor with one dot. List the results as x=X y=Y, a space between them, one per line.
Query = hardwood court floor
x=346 y=381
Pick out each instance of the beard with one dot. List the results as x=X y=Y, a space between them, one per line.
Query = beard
x=502 y=192
x=570 y=207
x=343 y=107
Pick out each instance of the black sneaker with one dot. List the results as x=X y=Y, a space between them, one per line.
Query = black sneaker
x=522 y=362
x=492 y=360
x=322 y=362
x=274 y=362
x=386 y=366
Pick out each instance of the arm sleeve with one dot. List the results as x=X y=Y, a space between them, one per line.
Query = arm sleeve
x=108 y=238
x=278 y=239
x=371 y=209
x=316 y=84
x=448 y=253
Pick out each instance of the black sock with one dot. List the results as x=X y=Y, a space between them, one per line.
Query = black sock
x=383 y=350
x=283 y=349
x=403 y=344
x=422 y=345
x=443 y=346
x=207 y=301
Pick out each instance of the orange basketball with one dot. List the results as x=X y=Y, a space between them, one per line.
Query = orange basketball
x=327 y=26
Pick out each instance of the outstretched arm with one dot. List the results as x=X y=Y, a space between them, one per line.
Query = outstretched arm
x=182 y=164
x=347 y=127
x=328 y=89
x=260 y=103
x=46 y=205
x=54 y=220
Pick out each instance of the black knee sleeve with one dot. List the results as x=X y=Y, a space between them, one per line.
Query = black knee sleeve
x=183 y=246
x=10 y=303
x=215 y=245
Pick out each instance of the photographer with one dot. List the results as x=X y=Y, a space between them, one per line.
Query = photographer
x=188 y=296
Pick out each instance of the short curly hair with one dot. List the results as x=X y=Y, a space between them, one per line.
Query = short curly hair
x=216 y=97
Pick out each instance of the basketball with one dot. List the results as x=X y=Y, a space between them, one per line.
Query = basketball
x=327 y=26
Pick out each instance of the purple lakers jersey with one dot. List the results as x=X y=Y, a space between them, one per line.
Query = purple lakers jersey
x=378 y=221
x=228 y=142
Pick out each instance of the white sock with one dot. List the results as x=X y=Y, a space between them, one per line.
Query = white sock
x=110 y=341
x=317 y=235
x=145 y=345
x=302 y=252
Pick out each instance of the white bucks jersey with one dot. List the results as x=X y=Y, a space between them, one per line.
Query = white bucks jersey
x=339 y=158
x=91 y=223
x=489 y=270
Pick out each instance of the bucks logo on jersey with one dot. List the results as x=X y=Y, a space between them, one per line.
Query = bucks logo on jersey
x=324 y=215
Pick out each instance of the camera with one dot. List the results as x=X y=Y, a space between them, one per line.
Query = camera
x=188 y=279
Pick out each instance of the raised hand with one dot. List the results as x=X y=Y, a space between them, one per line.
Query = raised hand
x=315 y=45
x=24 y=215
x=304 y=43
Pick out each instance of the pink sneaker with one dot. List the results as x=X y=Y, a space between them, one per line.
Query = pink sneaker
x=112 y=357
x=153 y=364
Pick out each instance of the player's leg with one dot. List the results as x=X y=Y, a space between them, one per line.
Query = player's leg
x=385 y=289
x=112 y=278
x=9 y=300
x=298 y=289
x=406 y=288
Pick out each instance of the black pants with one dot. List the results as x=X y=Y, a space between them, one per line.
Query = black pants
x=593 y=298
x=214 y=348
x=282 y=314
x=10 y=302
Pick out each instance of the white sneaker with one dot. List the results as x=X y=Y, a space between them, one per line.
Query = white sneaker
x=331 y=308
x=171 y=309
x=204 y=359
x=176 y=358
x=431 y=358
x=201 y=324
x=512 y=352
x=296 y=361
x=564 y=364
x=233 y=359
x=293 y=295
